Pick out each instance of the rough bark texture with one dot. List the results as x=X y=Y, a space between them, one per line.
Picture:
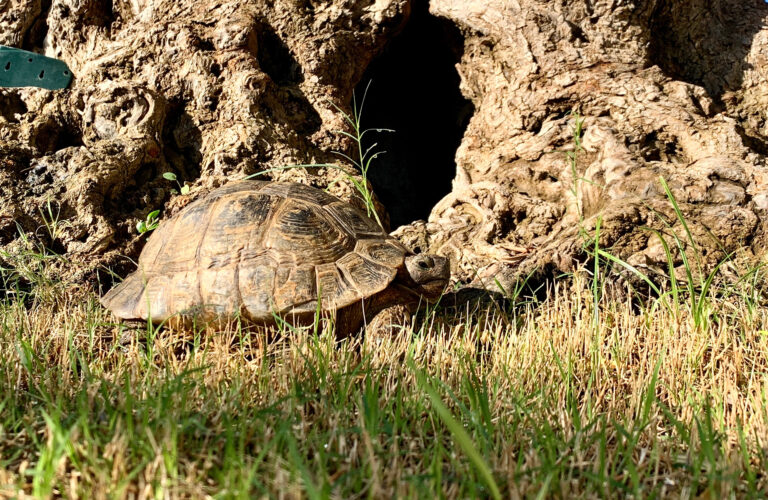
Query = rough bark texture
x=213 y=91
x=667 y=88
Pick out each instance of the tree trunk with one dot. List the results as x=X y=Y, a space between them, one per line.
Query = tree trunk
x=214 y=91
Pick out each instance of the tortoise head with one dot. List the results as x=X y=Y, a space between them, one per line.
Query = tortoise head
x=427 y=275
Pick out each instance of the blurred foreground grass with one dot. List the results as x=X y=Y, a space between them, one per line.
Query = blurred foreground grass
x=577 y=393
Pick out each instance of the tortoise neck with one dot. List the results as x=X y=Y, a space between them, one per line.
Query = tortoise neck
x=351 y=319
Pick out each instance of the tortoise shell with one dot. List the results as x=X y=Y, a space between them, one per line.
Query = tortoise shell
x=258 y=249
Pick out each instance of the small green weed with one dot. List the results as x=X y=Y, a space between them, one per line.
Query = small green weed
x=27 y=271
x=698 y=288
x=150 y=223
x=52 y=221
x=183 y=189
x=153 y=217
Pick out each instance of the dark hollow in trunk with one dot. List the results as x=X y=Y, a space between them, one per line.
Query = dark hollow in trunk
x=414 y=90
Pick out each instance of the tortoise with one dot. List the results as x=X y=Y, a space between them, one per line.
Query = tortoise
x=259 y=249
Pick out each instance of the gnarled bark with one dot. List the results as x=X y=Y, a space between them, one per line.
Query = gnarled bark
x=216 y=91
x=667 y=89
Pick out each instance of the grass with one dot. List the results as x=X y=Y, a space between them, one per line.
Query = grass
x=580 y=393
x=584 y=392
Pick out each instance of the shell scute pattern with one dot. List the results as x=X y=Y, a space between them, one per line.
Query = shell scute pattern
x=303 y=234
x=175 y=243
x=256 y=282
x=352 y=219
x=123 y=300
x=333 y=289
x=295 y=289
x=153 y=302
x=218 y=289
x=388 y=253
x=185 y=291
x=365 y=276
x=233 y=188
x=235 y=223
x=298 y=192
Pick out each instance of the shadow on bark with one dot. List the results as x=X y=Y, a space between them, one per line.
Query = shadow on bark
x=705 y=43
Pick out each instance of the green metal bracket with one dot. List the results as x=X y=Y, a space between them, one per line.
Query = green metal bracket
x=19 y=68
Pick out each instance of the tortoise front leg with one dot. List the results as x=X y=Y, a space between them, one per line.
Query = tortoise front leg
x=390 y=321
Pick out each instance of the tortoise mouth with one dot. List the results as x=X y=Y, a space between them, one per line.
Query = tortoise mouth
x=433 y=288
x=429 y=290
x=435 y=282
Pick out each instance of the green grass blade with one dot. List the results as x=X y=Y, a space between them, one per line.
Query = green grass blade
x=679 y=215
x=670 y=268
x=460 y=435
x=637 y=272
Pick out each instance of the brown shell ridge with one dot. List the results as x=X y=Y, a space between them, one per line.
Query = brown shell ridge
x=170 y=223
x=216 y=203
x=123 y=299
x=244 y=271
x=268 y=252
x=237 y=258
x=296 y=308
x=200 y=244
x=264 y=252
x=326 y=302
x=349 y=217
x=238 y=295
x=306 y=235
x=351 y=279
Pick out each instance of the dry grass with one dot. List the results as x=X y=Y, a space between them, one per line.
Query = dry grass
x=576 y=394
